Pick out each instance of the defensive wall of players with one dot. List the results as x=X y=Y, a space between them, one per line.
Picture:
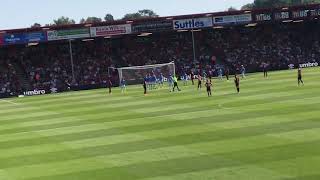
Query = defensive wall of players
x=144 y=27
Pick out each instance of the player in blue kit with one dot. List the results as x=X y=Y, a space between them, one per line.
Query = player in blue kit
x=170 y=83
x=149 y=81
x=243 y=71
x=220 y=73
x=185 y=79
x=161 y=80
x=123 y=85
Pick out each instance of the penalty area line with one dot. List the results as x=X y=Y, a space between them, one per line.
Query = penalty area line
x=10 y=102
x=222 y=107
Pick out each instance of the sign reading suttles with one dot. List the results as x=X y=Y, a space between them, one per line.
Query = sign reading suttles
x=68 y=34
x=155 y=26
x=233 y=19
x=192 y=23
x=110 y=30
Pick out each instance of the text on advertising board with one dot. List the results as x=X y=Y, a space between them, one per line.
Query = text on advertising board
x=281 y=15
x=192 y=23
x=315 y=12
x=110 y=30
x=13 y=39
x=68 y=34
x=300 y=14
x=308 y=64
x=152 y=27
x=263 y=17
x=35 y=37
x=22 y=38
x=34 y=92
x=233 y=19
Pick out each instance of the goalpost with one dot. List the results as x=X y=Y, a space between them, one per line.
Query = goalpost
x=135 y=74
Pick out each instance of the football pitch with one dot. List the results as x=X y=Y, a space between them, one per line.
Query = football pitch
x=270 y=131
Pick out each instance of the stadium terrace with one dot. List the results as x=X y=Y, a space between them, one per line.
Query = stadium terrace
x=216 y=96
x=83 y=56
x=260 y=16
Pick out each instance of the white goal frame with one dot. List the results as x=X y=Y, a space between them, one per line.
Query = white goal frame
x=120 y=70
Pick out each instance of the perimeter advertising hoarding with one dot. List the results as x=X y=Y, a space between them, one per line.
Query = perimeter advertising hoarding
x=68 y=34
x=263 y=17
x=305 y=13
x=14 y=39
x=300 y=14
x=233 y=19
x=309 y=64
x=23 y=38
x=35 y=37
x=156 y=26
x=287 y=15
x=110 y=30
x=1 y=40
x=195 y=23
x=280 y=16
x=314 y=12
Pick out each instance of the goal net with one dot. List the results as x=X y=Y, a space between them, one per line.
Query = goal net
x=135 y=74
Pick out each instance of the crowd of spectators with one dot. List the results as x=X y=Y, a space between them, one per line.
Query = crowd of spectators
x=278 y=46
x=9 y=83
x=48 y=65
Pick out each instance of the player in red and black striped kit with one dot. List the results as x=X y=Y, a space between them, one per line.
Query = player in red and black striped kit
x=208 y=85
x=109 y=84
x=192 y=77
x=199 y=82
x=237 y=82
x=144 y=87
x=300 y=77
x=227 y=73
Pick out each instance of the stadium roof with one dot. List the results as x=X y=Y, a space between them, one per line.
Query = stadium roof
x=146 y=20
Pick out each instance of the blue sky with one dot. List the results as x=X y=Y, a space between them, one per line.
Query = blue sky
x=23 y=13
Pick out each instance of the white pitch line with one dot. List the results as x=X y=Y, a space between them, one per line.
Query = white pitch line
x=223 y=107
x=10 y=102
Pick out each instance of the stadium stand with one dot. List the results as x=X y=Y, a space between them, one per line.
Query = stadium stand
x=47 y=65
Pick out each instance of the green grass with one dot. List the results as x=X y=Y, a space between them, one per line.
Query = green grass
x=270 y=131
